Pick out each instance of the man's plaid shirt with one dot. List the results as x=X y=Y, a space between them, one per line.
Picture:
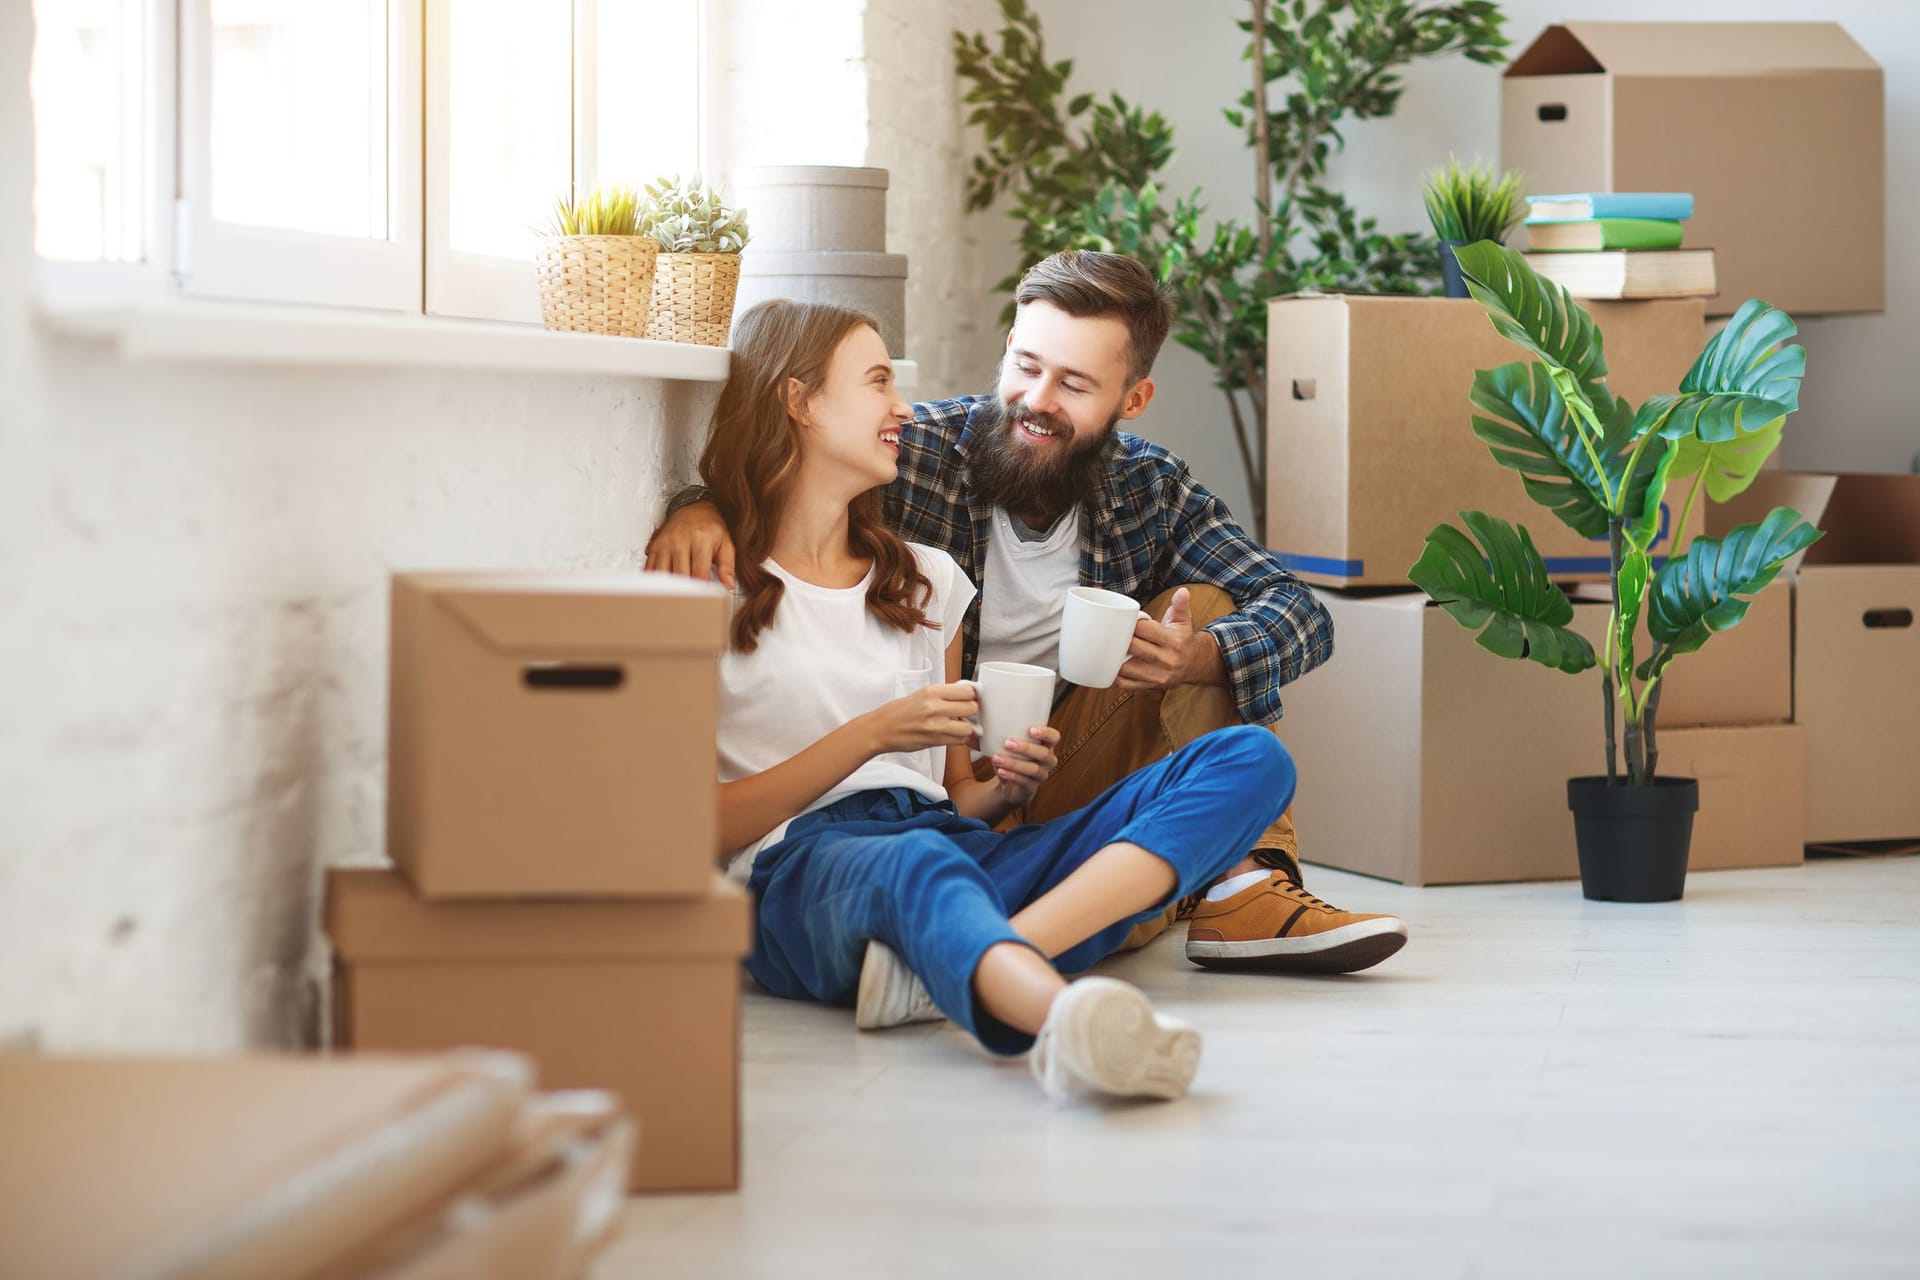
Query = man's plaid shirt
x=1151 y=527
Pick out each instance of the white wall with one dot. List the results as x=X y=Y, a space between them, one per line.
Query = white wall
x=1855 y=415
x=193 y=563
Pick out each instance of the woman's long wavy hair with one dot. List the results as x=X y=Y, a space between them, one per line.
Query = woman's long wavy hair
x=753 y=455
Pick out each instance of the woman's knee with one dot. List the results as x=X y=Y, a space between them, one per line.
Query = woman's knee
x=1256 y=749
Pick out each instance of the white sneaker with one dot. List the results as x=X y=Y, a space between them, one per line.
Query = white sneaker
x=891 y=994
x=1103 y=1034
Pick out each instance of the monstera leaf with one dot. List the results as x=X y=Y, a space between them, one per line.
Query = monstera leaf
x=1504 y=589
x=1543 y=318
x=1524 y=423
x=1743 y=383
x=1702 y=592
x=1731 y=465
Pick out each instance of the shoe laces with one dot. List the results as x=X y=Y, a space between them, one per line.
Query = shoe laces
x=1294 y=891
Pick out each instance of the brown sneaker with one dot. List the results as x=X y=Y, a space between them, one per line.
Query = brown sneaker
x=1278 y=925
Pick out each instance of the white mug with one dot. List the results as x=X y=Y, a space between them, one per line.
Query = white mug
x=1096 y=627
x=1014 y=697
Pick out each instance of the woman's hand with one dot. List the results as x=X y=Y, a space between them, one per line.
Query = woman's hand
x=1020 y=767
x=936 y=716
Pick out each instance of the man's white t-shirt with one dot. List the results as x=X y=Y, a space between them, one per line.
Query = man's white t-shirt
x=825 y=661
x=1024 y=587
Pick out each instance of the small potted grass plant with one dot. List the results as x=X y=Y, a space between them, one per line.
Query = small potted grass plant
x=1466 y=206
x=700 y=239
x=1603 y=468
x=595 y=266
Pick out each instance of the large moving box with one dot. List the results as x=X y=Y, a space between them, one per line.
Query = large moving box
x=554 y=734
x=236 y=1168
x=1777 y=128
x=639 y=998
x=1370 y=440
x=1425 y=759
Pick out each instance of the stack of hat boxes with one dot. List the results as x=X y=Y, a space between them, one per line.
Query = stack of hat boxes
x=553 y=824
x=1425 y=759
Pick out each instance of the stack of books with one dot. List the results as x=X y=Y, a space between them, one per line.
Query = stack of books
x=1618 y=244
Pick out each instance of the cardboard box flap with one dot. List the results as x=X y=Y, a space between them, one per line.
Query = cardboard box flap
x=235 y=1167
x=1868 y=519
x=371 y=915
x=565 y=614
x=1691 y=49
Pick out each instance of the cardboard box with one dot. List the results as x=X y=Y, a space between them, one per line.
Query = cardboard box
x=235 y=1168
x=1425 y=759
x=641 y=999
x=541 y=1214
x=1703 y=107
x=1856 y=658
x=1369 y=427
x=554 y=734
x=1742 y=677
x=1752 y=792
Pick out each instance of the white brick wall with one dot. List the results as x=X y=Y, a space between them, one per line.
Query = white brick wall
x=193 y=564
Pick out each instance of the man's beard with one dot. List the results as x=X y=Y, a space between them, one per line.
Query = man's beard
x=1020 y=477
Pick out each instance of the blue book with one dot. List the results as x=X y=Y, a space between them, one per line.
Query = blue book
x=1676 y=206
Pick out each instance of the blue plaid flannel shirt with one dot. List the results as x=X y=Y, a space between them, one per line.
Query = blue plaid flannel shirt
x=1152 y=527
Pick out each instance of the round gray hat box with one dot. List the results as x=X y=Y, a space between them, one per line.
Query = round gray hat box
x=875 y=283
x=815 y=207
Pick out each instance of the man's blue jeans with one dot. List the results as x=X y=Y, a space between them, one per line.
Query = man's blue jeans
x=939 y=888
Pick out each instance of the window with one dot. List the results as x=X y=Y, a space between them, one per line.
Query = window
x=299 y=151
x=530 y=99
x=395 y=154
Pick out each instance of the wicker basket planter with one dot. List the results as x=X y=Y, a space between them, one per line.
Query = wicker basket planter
x=693 y=298
x=597 y=284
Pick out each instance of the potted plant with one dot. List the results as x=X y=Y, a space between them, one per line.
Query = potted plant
x=594 y=265
x=1468 y=205
x=699 y=269
x=1603 y=467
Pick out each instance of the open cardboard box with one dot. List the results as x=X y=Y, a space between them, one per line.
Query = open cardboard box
x=1682 y=106
x=1425 y=759
x=1370 y=436
x=1856 y=647
x=236 y=1168
x=639 y=998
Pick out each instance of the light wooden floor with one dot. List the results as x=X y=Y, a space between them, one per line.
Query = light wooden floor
x=1537 y=1086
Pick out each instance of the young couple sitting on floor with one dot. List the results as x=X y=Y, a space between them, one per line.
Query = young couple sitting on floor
x=889 y=870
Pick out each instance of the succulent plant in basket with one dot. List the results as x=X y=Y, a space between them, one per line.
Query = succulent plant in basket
x=1603 y=467
x=594 y=265
x=701 y=239
x=1469 y=205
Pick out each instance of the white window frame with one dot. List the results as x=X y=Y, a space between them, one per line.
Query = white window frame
x=152 y=276
x=479 y=286
x=218 y=259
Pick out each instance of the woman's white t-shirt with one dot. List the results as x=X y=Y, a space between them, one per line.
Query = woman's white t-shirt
x=825 y=661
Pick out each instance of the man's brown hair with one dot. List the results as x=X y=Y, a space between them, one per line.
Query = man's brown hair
x=1084 y=283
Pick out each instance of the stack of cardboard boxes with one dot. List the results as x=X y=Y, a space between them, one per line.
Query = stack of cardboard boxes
x=553 y=823
x=1425 y=759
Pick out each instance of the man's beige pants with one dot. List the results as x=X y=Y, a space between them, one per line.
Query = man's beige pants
x=1106 y=734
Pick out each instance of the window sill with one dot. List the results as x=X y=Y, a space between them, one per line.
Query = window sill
x=170 y=329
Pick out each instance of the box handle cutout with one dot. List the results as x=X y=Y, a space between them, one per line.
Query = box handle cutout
x=1303 y=388
x=1552 y=112
x=566 y=675
x=1891 y=619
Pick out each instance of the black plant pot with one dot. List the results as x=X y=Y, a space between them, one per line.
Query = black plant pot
x=1633 y=840
x=1450 y=276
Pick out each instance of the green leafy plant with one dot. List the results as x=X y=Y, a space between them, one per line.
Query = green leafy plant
x=689 y=217
x=1603 y=467
x=1468 y=204
x=1083 y=172
x=604 y=211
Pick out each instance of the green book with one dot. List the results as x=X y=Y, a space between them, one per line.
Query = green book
x=1604 y=233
